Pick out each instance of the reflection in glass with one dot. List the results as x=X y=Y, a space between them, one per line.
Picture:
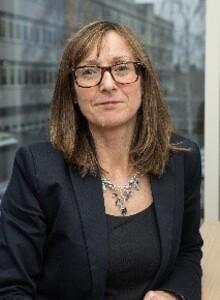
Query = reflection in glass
x=32 y=35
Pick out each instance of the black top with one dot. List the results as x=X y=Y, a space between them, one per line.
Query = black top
x=134 y=254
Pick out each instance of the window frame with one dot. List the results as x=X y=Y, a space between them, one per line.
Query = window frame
x=212 y=112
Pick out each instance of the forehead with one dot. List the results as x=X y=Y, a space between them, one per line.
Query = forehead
x=112 y=47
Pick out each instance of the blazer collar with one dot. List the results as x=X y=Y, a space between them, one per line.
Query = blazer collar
x=89 y=197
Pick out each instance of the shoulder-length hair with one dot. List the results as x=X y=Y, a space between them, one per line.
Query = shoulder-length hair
x=69 y=131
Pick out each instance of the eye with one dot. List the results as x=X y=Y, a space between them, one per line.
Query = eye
x=88 y=71
x=122 y=69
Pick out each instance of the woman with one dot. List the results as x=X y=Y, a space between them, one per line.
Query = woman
x=110 y=208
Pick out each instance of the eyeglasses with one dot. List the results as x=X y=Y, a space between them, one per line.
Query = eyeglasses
x=123 y=73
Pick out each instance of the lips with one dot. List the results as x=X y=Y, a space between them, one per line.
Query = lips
x=109 y=102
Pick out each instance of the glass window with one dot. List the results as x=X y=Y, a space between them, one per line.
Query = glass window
x=20 y=75
x=26 y=76
x=12 y=76
x=173 y=32
x=3 y=76
x=18 y=31
x=25 y=32
x=10 y=29
x=2 y=27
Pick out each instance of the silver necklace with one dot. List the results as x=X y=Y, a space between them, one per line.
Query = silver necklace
x=122 y=193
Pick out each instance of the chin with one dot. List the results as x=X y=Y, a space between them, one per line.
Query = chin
x=114 y=123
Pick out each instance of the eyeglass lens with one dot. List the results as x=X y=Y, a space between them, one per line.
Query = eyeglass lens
x=88 y=76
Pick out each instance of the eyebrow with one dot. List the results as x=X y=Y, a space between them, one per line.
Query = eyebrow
x=115 y=59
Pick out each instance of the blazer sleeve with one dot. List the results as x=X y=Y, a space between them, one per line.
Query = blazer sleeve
x=22 y=232
x=185 y=278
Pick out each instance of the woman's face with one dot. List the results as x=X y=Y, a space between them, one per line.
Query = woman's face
x=109 y=104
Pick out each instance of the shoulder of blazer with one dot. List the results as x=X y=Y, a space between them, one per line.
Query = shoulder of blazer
x=46 y=172
x=41 y=148
x=191 y=158
x=40 y=157
x=183 y=141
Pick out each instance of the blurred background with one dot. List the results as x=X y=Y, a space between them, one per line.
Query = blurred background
x=32 y=36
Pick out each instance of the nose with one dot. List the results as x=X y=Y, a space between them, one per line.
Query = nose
x=107 y=82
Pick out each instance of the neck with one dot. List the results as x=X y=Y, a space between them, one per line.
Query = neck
x=113 y=146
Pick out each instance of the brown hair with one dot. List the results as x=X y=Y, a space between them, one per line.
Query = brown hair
x=69 y=131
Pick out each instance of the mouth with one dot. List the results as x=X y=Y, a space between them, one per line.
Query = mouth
x=108 y=103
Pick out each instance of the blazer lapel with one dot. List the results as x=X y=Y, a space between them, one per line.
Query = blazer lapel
x=163 y=190
x=88 y=191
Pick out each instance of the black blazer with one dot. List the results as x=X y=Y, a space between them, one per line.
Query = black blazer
x=53 y=232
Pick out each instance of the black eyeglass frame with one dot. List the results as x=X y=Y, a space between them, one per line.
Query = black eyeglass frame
x=137 y=64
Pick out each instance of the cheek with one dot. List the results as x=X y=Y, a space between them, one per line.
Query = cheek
x=84 y=100
x=83 y=104
x=136 y=95
x=85 y=95
x=81 y=95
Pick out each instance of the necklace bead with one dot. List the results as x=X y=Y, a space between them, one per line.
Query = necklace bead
x=122 y=193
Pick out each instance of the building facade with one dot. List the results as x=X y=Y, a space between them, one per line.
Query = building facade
x=31 y=39
x=32 y=35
